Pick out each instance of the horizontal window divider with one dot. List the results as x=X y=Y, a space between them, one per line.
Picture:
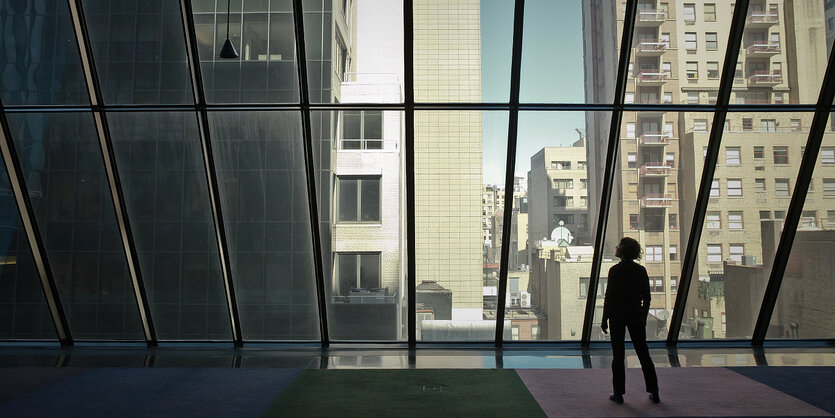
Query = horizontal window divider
x=400 y=107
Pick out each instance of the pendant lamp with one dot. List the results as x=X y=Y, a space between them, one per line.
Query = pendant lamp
x=228 y=50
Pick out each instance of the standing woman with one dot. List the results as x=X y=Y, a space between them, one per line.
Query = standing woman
x=626 y=307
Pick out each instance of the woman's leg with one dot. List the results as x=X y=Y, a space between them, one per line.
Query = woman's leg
x=638 y=333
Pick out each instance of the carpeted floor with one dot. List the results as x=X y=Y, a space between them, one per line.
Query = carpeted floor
x=113 y=391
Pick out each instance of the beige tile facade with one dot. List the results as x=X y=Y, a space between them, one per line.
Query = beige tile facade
x=448 y=159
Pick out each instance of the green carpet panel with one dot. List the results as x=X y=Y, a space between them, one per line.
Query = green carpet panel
x=406 y=393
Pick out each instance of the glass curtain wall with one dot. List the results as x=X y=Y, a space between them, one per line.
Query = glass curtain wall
x=257 y=129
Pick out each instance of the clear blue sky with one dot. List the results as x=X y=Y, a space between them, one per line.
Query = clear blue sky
x=552 y=71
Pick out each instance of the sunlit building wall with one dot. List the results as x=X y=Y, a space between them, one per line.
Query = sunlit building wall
x=448 y=161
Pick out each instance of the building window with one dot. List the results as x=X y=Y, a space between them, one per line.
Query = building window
x=714 y=253
x=692 y=69
x=734 y=187
x=673 y=283
x=584 y=183
x=713 y=220
x=563 y=201
x=355 y=271
x=808 y=219
x=362 y=129
x=693 y=97
x=710 y=12
x=656 y=284
x=781 y=155
x=711 y=43
x=759 y=152
x=565 y=218
x=830 y=218
x=795 y=124
x=584 y=201
x=690 y=40
x=631 y=160
x=689 y=12
x=630 y=130
x=735 y=252
x=713 y=71
x=769 y=125
x=781 y=187
x=581 y=165
x=601 y=287
x=563 y=183
x=671 y=159
x=734 y=220
x=747 y=124
x=700 y=125
x=714 y=188
x=765 y=215
x=732 y=155
x=561 y=165
x=633 y=222
x=827 y=155
x=359 y=199
x=673 y=221
x=654 y=253
x=829 y=187
x=759 y=185
x=673 y=253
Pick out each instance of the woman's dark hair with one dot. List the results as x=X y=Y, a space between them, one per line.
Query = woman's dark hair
x=628 y=249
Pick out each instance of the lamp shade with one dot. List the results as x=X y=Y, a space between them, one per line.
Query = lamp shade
x=228 y=50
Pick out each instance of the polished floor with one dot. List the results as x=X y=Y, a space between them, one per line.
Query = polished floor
x=301 y=380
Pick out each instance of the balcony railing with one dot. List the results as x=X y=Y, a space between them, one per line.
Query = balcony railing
x=651 y=47
x=762 y=19
x=651 y=16
x=656 y=169
x=654 y=138
x=765 y=78
x=763 y=49
x=657 y=201
x=653 y=77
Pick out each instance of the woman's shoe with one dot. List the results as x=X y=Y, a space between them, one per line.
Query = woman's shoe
x=616 y=398
x=654 y=397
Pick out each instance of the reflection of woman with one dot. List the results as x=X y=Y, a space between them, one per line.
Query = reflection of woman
x=626 y=307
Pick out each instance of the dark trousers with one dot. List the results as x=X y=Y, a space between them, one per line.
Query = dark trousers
x=637 y=330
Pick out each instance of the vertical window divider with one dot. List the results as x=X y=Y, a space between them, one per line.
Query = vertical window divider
x=510 y=166
x=33 y=236
x=193 y=57
x=312 y=196
x=723 y=97
x=409 y=121
x=801 y=188
x=109 y=158
x=609 y=173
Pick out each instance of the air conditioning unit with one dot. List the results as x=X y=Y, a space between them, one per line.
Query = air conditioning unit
x=526 y=299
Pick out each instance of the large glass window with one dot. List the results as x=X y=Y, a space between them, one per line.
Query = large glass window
x=40 y=64
x=62 y=161
x=139 y=51
x=160 y=163
x=261 y=179
x=23 y=310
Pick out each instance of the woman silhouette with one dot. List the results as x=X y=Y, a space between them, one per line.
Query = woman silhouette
x=626 y=307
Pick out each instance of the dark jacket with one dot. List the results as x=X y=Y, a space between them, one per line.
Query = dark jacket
x=627 y=291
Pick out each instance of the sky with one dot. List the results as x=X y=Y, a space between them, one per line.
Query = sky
x=552 y=71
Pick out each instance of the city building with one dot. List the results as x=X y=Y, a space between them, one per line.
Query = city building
x=448 y=160
x=558 y=194
x=678 y=48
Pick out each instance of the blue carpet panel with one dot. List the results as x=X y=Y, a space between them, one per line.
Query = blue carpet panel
x=813 y=385
x=155 y=392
